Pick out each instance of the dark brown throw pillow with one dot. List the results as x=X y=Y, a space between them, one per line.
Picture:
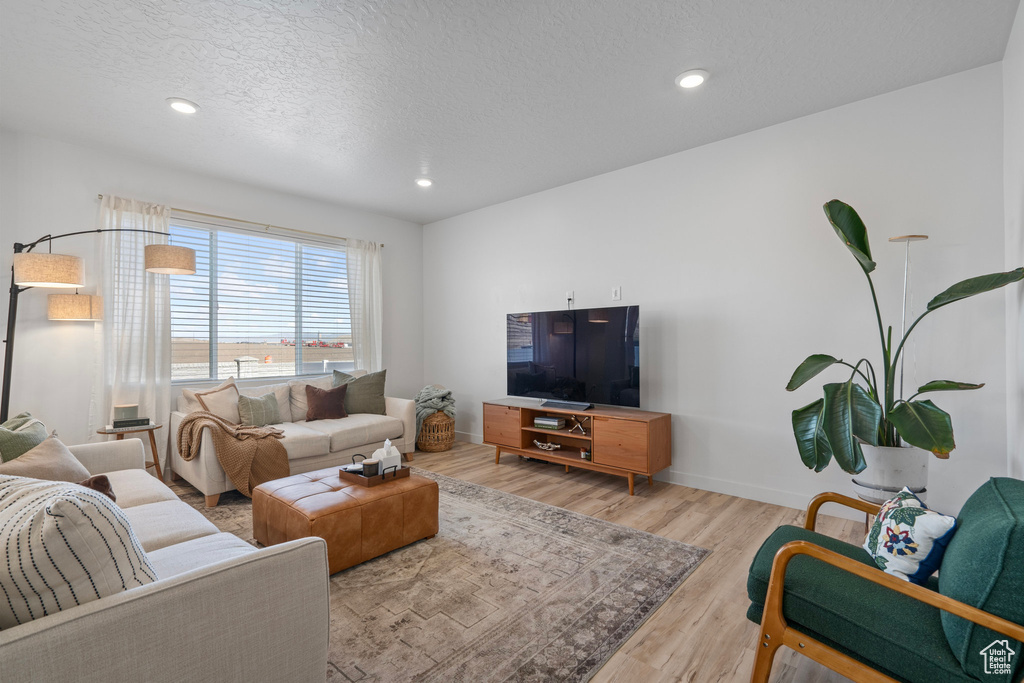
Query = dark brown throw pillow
x=100 y=483
x=325 y=404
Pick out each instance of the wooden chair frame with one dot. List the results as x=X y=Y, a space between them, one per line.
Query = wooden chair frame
x=776 y=632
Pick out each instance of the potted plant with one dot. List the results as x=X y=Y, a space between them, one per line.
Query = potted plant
x=863 y=413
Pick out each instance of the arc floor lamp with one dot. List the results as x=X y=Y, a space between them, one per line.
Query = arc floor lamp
x=36 y=269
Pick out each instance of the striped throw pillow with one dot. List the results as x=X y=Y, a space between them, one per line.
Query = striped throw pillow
x=62 y=545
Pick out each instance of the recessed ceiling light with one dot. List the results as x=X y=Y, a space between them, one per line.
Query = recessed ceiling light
x=691 y=78
x=424 y=182
x=184 y=106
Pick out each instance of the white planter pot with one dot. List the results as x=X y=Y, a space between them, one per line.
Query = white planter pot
x=890 y=469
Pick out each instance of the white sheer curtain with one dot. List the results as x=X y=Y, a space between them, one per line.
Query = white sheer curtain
x=134 y=340
x=365 y=297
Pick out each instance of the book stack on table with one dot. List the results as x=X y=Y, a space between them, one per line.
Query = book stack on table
x=129 y=424
x=545 y=422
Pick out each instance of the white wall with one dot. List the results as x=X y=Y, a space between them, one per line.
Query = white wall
x=1013 y=200
x=739 y=277
x=48 y=186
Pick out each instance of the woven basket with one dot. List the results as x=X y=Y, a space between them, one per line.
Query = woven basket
x=437 y=434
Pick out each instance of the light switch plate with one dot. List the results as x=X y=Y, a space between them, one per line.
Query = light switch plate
x=616 y=293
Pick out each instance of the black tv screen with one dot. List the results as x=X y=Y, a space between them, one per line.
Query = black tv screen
x=590 y=355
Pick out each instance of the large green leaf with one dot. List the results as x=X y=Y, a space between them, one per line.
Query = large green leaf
x=841 y=402
x=947 y=385
x=808 y=427
x=975 y=285
x=925 y=425
x=867 y=416
x=851 y=230
x=809 y=368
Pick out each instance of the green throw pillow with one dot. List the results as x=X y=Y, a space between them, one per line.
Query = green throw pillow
x=259 y=412
x=364 y=394
x=20 y=434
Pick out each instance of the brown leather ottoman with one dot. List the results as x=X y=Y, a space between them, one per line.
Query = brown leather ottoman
x=358 y=522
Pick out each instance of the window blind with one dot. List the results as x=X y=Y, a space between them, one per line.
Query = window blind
x=259 y=305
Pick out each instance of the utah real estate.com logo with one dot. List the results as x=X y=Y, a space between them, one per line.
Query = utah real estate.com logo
x=998 y=657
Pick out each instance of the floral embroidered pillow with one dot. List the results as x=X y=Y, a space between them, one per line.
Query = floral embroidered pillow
x=907 y=539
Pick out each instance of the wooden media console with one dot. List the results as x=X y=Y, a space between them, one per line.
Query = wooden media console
x=622 y=441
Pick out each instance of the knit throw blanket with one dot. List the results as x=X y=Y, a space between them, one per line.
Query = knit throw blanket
x=430 y=400
x=249 y=455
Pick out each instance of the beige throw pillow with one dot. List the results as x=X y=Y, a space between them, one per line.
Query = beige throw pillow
x=298 y=394
x=222 y=401
x=50 y=460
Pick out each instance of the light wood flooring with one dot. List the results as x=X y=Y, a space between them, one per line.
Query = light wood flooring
x=701 y=633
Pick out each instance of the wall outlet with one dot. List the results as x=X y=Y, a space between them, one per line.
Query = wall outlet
x=569 y=298
x=616 y=293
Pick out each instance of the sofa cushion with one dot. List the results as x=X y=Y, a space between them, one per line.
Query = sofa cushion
x=298 y=394
x=138 y=487
x=302 y=442
x=853 y=613
x=259 y=411
x=165 y=523
x=20 y=434
x=50 y=460
x=358 y=430
x=199 y=552
x=281 y=391
x=65 y=545
x=365 y=394
x=984 y=567
x=325 y=404
x=221 y=400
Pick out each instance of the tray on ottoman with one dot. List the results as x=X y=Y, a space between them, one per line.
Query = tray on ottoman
x=356 y=478
x=358 y=522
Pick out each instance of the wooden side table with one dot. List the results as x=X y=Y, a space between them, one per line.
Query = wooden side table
x=119 y=435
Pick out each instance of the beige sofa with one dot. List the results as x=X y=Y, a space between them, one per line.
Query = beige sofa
x=310 y=445
x=221 y=610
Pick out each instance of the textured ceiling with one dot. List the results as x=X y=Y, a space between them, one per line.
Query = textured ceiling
x=494 y=99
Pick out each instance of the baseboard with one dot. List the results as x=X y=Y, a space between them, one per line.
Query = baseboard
x=763 y=494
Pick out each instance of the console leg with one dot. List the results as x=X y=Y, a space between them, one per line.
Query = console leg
x=650 y=480
x=497 y=454
x=567 y=469
x=630 y=477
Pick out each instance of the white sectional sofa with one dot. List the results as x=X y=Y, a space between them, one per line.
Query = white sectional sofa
x=310 y=445
x=221 y=609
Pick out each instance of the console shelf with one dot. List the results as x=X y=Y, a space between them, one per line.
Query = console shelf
x=622 y=441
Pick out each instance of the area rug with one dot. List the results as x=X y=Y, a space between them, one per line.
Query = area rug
x=508 y=590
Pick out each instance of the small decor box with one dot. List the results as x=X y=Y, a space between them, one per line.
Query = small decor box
x=543 y=422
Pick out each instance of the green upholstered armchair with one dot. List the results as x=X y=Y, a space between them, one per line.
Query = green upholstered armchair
x=829 y=601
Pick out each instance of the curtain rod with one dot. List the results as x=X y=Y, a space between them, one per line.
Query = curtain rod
x=239 y=220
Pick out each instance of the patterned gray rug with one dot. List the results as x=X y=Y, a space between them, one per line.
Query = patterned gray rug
x=508 y=590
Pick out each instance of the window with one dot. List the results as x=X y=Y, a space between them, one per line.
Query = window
x=259 y=305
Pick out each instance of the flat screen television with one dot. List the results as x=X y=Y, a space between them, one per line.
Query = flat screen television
x=589 y=355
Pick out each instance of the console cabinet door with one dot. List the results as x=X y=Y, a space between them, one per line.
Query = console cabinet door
x=501 y=426
x=620 y=443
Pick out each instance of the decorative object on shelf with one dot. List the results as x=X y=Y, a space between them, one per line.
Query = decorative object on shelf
x=30 y=269
x=579 y=423
x=549 y=422
x=849 y=413
x=584 y=454
x=547 y=446
x=126 y=411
